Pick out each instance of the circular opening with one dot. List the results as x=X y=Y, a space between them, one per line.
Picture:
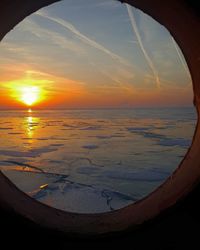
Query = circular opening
x=142 y=132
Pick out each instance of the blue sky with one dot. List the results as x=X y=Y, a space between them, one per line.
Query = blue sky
x=95 y=53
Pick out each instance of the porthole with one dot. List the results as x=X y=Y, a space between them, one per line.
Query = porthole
x=166 y=195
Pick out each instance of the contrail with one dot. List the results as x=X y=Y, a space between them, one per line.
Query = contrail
x=181 y=59
x=148 y=59
x=83 y=37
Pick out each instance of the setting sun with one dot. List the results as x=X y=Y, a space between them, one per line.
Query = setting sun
x=28 y=91
x=30 y=95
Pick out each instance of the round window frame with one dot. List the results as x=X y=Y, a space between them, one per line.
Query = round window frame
x=178 y=185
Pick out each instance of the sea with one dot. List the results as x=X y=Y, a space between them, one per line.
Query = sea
x=93 y=161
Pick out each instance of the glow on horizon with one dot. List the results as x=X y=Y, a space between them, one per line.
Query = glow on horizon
x=27 y=91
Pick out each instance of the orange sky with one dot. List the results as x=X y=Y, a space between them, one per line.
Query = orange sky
x=82 y=60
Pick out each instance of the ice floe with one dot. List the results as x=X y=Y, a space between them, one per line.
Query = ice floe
x=90 y=146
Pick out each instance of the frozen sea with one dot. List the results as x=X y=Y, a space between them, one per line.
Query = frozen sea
x=93 y=161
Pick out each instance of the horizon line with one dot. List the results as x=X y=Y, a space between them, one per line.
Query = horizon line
x=101 y=108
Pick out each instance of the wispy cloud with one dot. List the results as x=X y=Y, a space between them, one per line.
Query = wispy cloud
x=55 y=37
x=83 y=37
x=108 y=4
x=181 y=58
x=147 y=57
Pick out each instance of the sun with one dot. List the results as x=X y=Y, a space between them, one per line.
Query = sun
x=28 y=91
x=30 y=95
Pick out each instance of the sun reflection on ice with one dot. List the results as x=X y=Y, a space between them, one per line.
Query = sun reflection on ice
x=30 y=125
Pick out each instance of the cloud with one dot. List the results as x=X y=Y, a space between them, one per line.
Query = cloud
x=147 y=57
x=108 y=4
x=181 y=59
x=54 y=37
x=83 y=37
